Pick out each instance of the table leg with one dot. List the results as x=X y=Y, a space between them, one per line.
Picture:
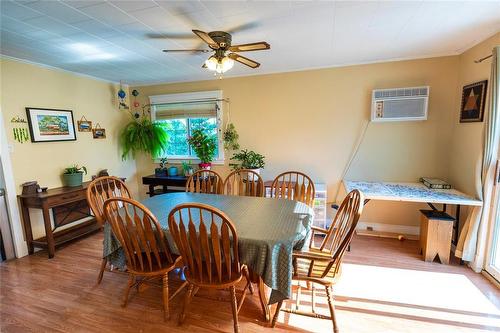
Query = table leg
x=27 y=228
x=264 y=301
x=49 y=236
x=151 y=190
x=266 y=309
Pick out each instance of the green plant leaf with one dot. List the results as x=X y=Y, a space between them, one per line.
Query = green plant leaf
x=143 y=135
x=248 y=160
x=204 y=145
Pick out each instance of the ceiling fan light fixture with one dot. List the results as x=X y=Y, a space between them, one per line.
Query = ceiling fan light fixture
x=226 y=64
x=211 y=63
x=219 y=66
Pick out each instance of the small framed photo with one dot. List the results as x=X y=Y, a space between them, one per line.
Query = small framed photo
x=49 y=125
x=473 y=101
x=98 y=132
x=84 y=125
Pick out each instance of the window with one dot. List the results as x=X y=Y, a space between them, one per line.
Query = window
x=185 y=113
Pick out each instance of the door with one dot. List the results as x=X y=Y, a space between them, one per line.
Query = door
x=493 y=255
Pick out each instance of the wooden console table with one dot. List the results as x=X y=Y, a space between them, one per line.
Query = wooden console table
x=69 y=204
x=165 y=182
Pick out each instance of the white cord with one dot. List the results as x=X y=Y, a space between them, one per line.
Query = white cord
x=353 y=156
x=228 y=114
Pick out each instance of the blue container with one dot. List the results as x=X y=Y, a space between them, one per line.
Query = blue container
x=172 y=171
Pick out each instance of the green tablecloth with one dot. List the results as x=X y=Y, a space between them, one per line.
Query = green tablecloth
x=268 y=231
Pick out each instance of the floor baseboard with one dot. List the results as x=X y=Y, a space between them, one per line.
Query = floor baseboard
x=397 y=229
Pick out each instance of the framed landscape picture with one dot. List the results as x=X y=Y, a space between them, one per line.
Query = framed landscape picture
x=84 y=125
x=473 y=100
x=99 y=133
x=47 y=125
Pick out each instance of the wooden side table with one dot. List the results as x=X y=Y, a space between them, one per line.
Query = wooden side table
x=68 y=204
x=435 y=235
x=166 y=182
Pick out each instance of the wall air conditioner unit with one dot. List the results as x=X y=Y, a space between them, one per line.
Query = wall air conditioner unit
x=400 y=104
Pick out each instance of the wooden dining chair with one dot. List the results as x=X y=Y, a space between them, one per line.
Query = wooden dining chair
x=321 y=265
x=204 y=181
x=294 y=185
x=208 y=242
x=244 y=182
x=98 y=191
x=146 y=249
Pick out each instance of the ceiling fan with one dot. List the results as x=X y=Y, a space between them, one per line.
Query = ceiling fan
x=223 y=58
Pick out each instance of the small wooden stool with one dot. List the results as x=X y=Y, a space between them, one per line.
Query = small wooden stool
x=435 y=235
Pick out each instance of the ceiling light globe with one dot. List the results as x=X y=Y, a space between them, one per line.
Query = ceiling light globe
x=211 y=63
x=227 y=64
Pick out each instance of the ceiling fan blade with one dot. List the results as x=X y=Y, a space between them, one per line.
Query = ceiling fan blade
x=206 y=38
x=170 y=36
x=243 y=60
x=170 y=51
x=250 y=47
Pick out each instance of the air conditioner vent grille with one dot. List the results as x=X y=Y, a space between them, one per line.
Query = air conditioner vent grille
x=402 y=92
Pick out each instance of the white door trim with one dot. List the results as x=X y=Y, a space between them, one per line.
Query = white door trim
x=20 y=246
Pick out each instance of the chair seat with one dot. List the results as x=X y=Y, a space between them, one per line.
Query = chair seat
x=319 y=266
x=223 y=283
x=155 y=268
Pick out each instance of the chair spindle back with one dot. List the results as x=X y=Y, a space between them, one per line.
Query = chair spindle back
x=101 y=189
x=244 y=182
x=294 y=185
x=342 y=229
x=204 y=181
x=207 y=241
x=139 y=233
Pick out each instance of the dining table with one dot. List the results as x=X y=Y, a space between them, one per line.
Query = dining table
x=269 y=230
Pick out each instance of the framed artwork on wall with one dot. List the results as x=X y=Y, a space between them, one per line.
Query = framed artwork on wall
x=84 y=125
x=473 y=101
x=98 y=132
x=49 y=125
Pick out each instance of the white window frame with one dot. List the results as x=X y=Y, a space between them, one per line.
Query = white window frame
x=187 y=97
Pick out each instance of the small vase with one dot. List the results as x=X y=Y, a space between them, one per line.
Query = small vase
x=73 y=179
x=172 y=171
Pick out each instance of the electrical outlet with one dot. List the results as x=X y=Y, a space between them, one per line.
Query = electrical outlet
x=369 y=228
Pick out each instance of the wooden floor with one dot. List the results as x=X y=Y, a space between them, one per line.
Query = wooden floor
x=385 y=287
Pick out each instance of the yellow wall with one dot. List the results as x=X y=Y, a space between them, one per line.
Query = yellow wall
x=311 y=121
x=467 y=138
x=28 y=85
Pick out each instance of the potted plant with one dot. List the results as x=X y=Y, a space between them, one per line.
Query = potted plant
x=162 y=170
x=144 y=135
x=204 y=147
x=187 y=168
x=248 y=159
x=73 y=175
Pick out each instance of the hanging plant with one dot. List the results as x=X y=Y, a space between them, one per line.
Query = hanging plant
x=144 y=135
x=230 y=138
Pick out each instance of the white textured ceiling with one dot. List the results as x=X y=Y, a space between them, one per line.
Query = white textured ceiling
x=113 y=40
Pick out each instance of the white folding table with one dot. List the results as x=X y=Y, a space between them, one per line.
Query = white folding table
x=414 y=192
